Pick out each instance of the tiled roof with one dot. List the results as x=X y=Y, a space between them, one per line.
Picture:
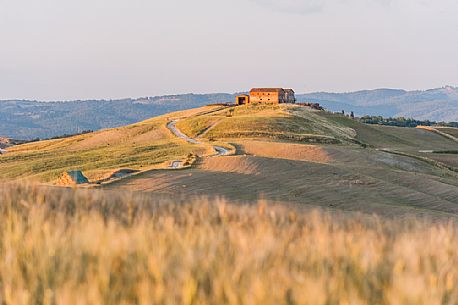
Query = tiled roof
x=266 y=90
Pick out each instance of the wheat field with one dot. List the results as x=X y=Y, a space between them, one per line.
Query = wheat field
x=64 y=246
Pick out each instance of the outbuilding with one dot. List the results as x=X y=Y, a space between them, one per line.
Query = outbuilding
x=242 y=99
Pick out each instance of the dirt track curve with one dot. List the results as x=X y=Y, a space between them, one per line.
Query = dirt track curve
x=220 y=151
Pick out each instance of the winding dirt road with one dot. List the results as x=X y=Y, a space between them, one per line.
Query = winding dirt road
x=173 y=128
x=220 y=151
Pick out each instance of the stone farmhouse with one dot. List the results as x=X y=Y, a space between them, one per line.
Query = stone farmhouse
x=267 y=95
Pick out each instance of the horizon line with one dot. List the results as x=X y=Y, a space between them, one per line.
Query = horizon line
x=209 y=93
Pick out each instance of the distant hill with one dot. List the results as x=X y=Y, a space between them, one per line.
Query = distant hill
x=434 y=104
x=32 y=119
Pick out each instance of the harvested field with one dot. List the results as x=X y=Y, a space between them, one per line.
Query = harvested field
x=448 y=159
x=368 y=181
x=232 y=164
x=449 y=130
x=413 y=139
x=396 y=138
x=290 y=151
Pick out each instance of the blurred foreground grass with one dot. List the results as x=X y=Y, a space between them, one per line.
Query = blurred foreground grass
x=92 y=247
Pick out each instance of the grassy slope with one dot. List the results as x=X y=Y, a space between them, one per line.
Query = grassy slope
x=139 y=146
x=267 y=121
x=412 y=141
x=404 y=139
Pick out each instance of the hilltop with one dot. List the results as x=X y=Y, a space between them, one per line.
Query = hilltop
x=33 y=119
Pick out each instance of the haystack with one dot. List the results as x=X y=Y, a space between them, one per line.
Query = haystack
x=73 y=177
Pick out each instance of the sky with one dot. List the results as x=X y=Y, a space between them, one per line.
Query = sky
x=107 y=49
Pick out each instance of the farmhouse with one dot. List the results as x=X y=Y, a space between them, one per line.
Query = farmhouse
x=267 y=95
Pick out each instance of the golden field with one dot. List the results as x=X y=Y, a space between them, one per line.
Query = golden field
x=65 y=246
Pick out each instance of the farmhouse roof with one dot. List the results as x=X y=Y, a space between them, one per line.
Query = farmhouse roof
x=266 y=90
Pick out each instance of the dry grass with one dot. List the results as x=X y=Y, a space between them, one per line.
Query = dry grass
x=94 y=247
x=141 y=146
x=280 y=122
x=195 y=126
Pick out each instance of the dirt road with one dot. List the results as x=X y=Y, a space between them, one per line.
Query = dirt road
x=220 y=151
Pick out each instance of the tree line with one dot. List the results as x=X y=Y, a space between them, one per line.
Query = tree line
x=404 y=122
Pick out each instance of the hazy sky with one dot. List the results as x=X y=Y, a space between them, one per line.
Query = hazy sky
x=79 y=49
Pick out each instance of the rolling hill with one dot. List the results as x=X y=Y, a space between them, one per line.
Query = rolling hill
x=32 y=119
x=287 y=154
x=140 y=146
x=282 y=156
x=435 y=104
